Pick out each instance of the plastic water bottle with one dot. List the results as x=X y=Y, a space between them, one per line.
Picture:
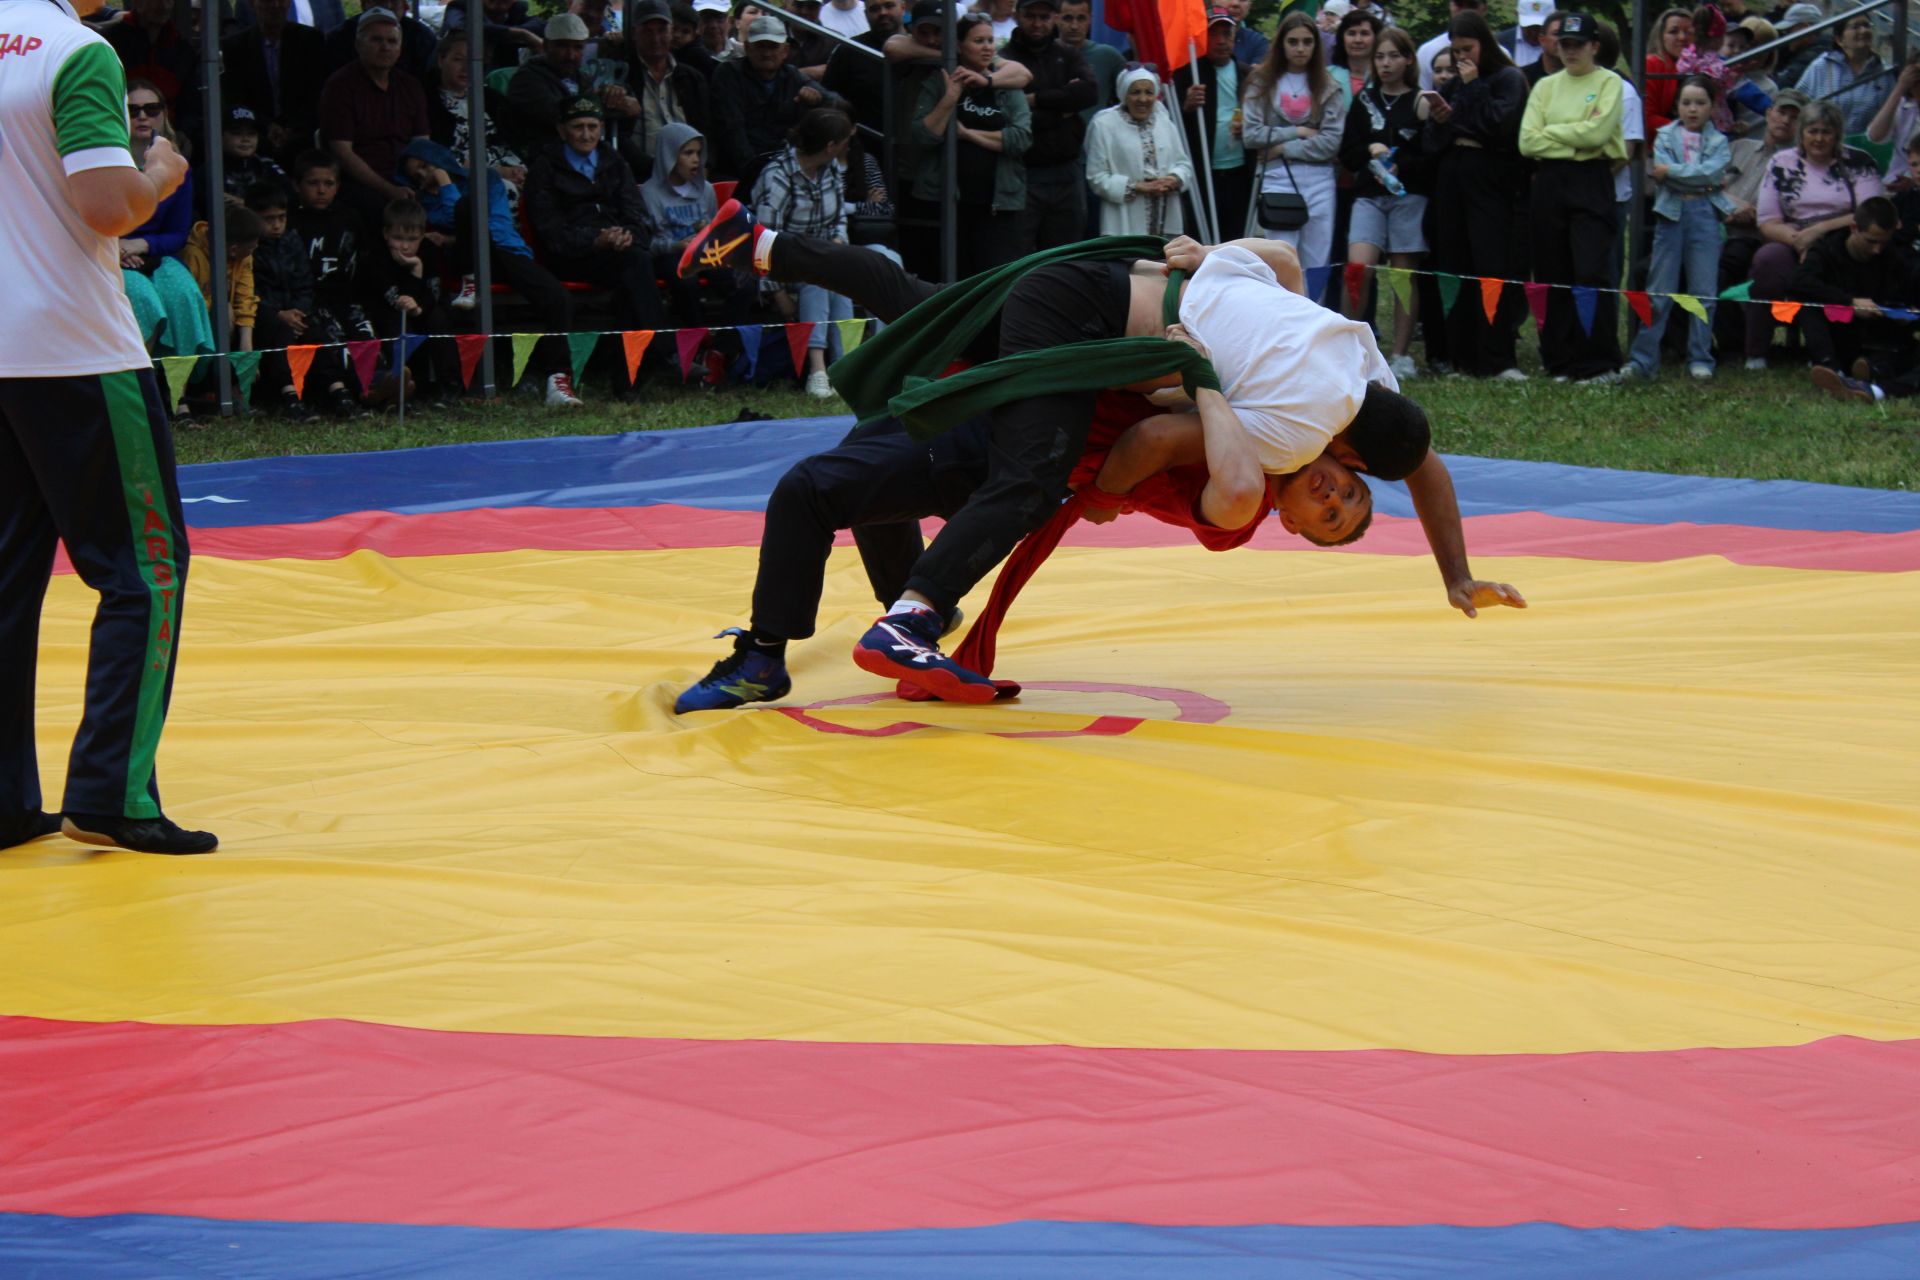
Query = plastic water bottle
x=1380 y=165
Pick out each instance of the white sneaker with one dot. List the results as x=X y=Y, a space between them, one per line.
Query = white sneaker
x=1704 y=372
x=819 y=387
x=1509 y=375
x=560 y=393
x=469 y=296
x=1756 y=364
x=1611 y=378
x=1403 y=367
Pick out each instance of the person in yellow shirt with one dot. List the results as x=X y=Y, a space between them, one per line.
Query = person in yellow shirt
x=244 y=230
x=1571 y=130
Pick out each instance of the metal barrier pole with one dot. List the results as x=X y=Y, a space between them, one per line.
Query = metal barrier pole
x=1899 y=48
x=950 y=155
x=477 y=230
x=1636 y=226
x=216 y=204
x=1209 y=216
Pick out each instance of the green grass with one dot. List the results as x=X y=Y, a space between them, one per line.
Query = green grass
x=1767 y=426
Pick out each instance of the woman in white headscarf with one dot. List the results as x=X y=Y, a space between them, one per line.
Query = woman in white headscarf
x=1137 y=160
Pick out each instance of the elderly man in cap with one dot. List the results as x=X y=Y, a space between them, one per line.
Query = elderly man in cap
x=757 y=98
x=1062 y=88
x=586 y=213
x=369 y=112
x=660 y=89
x=1522 y=39
x=713 y=20
x=545 y=85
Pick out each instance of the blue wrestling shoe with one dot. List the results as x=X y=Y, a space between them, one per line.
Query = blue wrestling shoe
x=749 y=674
x=906 y=646
x=726 y=243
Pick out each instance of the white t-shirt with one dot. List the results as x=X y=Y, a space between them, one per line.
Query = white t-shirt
x=63 y=110
x=1425 y=54
x=1003 y=30
x=1633 y=127
x=848 y=22
x=1294 y=372
x=1524 y=54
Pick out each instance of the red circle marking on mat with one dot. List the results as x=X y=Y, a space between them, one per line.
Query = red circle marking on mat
x=1193 y=708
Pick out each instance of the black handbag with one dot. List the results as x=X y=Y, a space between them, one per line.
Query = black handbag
x=1281 y=210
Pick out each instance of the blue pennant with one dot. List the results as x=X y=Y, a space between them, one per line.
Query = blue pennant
x=1317 y=278
x=1585 y=300
x=749 y=349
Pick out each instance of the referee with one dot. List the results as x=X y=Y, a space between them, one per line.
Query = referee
x=86 y=457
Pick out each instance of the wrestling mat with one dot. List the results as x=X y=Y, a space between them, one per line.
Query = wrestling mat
x=1290 y=925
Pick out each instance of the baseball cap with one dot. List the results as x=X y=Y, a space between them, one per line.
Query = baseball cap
x=1579 y=28
x=374 y=16
x=764 y=30
x=1336 y=8
x=566 y=26
x=1790 y=98
x=239 y=116
x=1041 y=4
x=640 y=11
x=1797 y=16
x=927 y=11
x=1759 y=28
x=1534 y=13
x=1217 y=16
x=712 y=6
x=579 y=108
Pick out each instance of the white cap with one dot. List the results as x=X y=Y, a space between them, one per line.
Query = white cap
x=712 y=6
x=1336 y=8
x=1534 y=13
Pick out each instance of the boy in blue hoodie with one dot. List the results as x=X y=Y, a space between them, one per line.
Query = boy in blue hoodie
x=679 y=202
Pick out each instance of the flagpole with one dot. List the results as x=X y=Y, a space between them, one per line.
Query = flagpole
x=400 y=368
x=1203 y=181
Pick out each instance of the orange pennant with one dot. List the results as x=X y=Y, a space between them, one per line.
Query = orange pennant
x=636 y=342
x=299 y=360
x=1784 y=312
x=1490 y=298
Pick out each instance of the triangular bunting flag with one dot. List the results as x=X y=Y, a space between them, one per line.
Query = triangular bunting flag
x=750 y=348
x=523 y=345
x=1691 y=305
x=175 y=372
x=852 y=333
x=1838 y=313
x=1317 y=278
x=299 y=360
x=688 y=342
x=1490 y=298
x=1642 y=305
x=1900 y=313
x=1356 y=281
x=246 y=367
x=635 y=342
x=1400 y=280
x=1784 y=312
x=471 y=347
x=364 y=354
x=798 y=336
x=580 y=346
x=1586 y=300
x=412 y=343
x=1449 y=286
x=1536 y=302
x=1742 y=292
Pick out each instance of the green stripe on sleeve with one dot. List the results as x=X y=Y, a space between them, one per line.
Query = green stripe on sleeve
x=90 y=100
x=153 y=535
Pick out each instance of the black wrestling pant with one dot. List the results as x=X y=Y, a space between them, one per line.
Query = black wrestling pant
x=1032 y=444
x=879 y=482
x=88 y=461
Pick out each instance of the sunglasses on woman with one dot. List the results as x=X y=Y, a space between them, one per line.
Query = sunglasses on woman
x=146 y=109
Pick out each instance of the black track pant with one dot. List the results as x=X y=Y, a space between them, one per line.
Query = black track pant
x=879 y=482
x=88 y=461
x=1574 y=230
x=1473 y=223
x=1034 y=443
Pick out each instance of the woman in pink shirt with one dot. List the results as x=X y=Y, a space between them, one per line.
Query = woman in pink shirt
x=1809 y=190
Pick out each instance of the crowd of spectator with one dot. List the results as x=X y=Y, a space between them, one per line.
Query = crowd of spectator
x=613 y=128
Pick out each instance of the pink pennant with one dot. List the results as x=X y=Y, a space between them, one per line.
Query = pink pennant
x=1356 y=282
x=364 y=354
x=1839 y=313
x=1537 y=303
x=688 y=342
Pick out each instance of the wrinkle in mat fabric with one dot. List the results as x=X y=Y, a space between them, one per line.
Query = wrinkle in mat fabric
x=1289 y=924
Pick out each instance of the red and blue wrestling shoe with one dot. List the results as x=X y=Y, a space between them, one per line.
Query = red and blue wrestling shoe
x=724 y=244
x=906 y=646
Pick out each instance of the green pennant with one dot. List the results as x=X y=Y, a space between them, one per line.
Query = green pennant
x=1449 y=286
x=852 y=333
x=1400 y=280
x=175 y=372
x=523 y=345
x=1691 y=305
x=1742 y=292
x=246 y=367
x=580 y=346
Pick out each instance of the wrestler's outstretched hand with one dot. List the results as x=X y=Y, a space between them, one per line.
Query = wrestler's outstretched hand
x=1184 y=253
x=1473 y=595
